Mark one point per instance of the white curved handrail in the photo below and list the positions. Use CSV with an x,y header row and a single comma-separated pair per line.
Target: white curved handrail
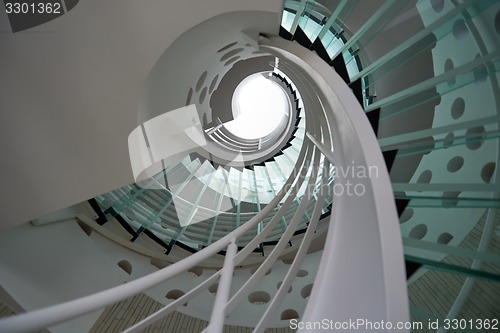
x,y
363,256
295,266
55,314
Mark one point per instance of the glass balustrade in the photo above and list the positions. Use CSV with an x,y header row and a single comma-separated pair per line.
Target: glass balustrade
x,y
449,227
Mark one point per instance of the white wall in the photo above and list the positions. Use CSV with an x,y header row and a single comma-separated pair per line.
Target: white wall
x,y
53,263
69,96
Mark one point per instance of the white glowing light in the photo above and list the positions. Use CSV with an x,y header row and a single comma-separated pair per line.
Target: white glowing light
x,y
259,106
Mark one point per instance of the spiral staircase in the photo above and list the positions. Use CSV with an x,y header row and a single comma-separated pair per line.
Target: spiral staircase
x,y
406,89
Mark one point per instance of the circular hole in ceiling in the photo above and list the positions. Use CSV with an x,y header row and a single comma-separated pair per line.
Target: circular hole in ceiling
x,y
406,216
448,66
228,46
289,314
306,291
201,80
196,271
203,94
487,171
230,54
445,238
126,266
175,294
213,84
448,140
460,30
189,96
230,61
259,105
437,5
458,108
259,297
474,137
425,145
455,164
425,177
418,232
302,273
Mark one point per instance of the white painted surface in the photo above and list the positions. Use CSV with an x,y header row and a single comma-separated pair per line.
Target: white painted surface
x,y
362,266
70,92
53,263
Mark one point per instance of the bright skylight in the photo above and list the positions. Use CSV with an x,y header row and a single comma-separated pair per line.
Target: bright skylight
x,y
259,105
